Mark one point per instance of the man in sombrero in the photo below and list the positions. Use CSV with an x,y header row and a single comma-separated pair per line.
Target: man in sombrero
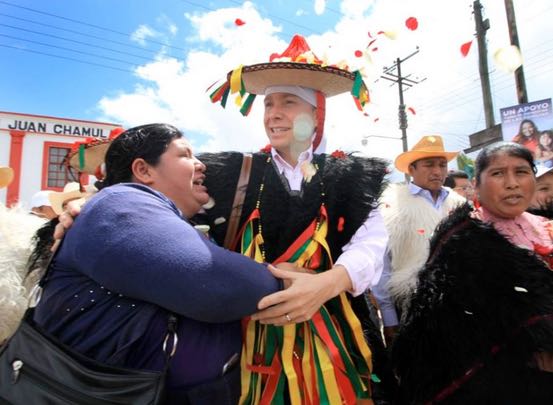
x,y
411,213
311,211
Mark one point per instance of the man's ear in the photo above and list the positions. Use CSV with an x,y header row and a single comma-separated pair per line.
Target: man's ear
x,y
410,169
142,171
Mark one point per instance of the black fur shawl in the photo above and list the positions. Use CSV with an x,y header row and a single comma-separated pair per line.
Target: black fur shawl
x,y
352,186
473,309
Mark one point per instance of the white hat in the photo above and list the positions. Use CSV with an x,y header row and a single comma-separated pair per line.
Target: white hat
x,y
541,170
40,198
71,191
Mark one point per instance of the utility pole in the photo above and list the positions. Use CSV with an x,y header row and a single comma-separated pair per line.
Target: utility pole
x,y
401,81
481,28
522,95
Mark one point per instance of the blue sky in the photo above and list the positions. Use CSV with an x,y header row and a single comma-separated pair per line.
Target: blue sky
x,y
168,52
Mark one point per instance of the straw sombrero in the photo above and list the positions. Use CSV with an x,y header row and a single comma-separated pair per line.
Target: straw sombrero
x,y
296,66
427,147
87,156
6,176
71,191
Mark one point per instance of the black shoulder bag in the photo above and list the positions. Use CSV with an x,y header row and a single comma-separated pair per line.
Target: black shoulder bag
x,y
36,368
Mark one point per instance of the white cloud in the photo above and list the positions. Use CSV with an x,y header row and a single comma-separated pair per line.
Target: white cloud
x,y
142,33
448,102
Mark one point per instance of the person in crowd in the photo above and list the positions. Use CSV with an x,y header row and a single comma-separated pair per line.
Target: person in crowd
x,y
17,228
479,327
132,257
311,209
528,136
41,206
544,151
459,182
411,212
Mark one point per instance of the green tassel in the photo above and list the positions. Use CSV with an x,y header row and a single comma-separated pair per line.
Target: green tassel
x,y
374,378
357,83
225,97
81,157
246,106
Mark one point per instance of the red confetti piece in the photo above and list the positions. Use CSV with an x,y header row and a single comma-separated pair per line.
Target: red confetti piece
x,y
374,49
370,43
465,48
365,114
369,33
239,22
376,119
411,110
340,226
420,231
358,53
412,23
380,33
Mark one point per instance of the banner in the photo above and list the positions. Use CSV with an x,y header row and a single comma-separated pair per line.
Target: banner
x,y
531,125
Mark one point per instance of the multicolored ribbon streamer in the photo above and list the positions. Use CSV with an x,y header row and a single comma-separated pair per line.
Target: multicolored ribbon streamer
x,y
323,361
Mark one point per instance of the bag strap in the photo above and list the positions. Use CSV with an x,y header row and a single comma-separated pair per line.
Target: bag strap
x,y
239,197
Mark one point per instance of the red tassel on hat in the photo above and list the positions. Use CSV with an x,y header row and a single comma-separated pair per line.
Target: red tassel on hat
x,y
321,112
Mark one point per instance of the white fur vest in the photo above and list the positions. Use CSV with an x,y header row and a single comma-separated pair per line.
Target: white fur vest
x,y
17,228
410,221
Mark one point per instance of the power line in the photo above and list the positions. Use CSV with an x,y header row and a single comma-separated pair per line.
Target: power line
x,y
75,41
66,49
66,58
83,34
125,34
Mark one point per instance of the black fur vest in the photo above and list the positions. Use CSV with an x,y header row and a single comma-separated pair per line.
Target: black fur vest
x,y
351,187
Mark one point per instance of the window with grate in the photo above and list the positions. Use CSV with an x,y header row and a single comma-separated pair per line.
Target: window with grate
x,y
55,174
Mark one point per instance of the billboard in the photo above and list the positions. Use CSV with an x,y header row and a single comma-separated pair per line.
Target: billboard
x,y
531,125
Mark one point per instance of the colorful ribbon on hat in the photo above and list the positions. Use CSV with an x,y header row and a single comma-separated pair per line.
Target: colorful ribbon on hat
x,y
325,360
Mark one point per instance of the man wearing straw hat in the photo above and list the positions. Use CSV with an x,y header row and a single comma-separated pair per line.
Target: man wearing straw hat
x,y
411,212
299,209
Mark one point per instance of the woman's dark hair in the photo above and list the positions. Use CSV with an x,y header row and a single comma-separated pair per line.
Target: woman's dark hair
x,y
489,153
148,142
519,137
548,133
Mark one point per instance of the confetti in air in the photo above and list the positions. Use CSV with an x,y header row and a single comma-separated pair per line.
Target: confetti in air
x,y
412,23
465,48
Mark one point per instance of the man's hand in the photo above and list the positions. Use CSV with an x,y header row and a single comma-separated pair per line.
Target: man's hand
x,y
305,295
544,361
66,218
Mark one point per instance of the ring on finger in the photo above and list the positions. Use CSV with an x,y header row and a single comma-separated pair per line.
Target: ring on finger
x,y
288,317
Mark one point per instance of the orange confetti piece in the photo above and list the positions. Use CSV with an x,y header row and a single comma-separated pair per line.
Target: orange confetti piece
x,y
239,22
465,48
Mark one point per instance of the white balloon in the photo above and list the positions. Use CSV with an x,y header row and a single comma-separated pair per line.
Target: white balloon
x,y
508,58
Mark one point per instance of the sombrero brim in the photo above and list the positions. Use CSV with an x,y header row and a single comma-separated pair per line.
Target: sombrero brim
x,y
6,176
406,158
58,199
327,79
94,155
